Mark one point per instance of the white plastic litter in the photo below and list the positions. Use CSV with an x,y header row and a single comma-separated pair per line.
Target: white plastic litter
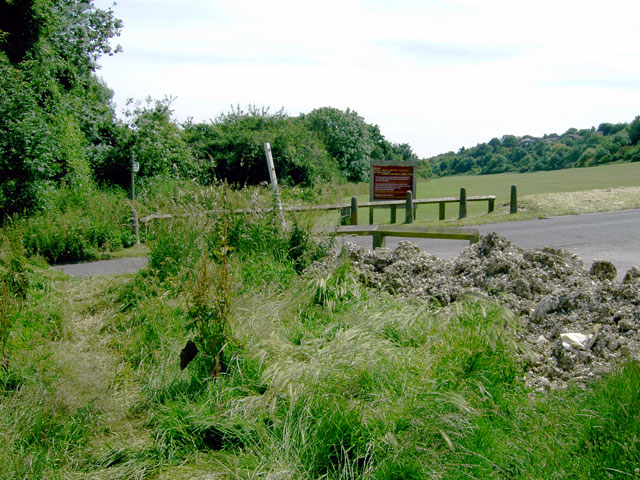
x,y
574,340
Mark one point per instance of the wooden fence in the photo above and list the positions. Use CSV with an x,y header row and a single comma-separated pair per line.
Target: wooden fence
x,y
349,211
380,232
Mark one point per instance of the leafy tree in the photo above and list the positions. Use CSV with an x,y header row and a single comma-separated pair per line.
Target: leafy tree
x,y
48,53
232,148
510,141
611,128
156,141
634,131
347,139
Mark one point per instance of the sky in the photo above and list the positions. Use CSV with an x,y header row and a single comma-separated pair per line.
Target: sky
x,y
436,74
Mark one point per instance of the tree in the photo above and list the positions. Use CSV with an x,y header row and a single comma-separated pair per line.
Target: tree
x,y
232,148
156,140
48,53
634,131
347,139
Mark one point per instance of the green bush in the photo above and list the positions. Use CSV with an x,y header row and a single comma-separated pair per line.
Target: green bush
x,y
232,149
79,225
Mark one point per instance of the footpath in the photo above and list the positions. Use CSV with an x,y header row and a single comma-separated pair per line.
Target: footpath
x,y
104,267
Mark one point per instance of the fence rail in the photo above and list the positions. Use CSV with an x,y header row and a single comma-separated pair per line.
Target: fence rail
x,y
380,232
349,211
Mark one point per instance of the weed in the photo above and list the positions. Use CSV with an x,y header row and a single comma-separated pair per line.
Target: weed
x,y
209,299
14,285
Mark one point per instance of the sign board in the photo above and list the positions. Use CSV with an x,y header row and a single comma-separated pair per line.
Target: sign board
x,y
135,166
392,180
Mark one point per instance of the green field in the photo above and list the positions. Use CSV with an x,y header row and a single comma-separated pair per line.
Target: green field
x,y
528,184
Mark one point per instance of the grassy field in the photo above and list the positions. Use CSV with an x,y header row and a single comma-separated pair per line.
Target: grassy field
x,y
532,188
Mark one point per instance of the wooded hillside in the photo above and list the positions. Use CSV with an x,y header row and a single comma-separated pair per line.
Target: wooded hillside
x,y
574,148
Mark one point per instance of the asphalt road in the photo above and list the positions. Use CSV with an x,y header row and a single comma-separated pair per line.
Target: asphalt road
x,y
612,236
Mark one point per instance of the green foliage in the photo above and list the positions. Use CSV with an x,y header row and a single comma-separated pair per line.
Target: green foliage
x,y
575,148
634,131
28,147
14,284
231,148
79,225
210,294
157,143
48,51
352,142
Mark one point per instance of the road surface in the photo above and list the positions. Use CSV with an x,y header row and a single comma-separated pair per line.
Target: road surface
x,y
612,236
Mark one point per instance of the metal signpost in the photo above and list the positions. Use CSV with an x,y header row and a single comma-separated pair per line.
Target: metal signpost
x,y
135,166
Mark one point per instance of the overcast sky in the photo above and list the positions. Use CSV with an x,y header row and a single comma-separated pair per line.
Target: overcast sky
x,y
436,74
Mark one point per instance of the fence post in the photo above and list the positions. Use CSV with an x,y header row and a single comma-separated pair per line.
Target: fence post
x,y
513,208
463,203
378,240
491,205
344,213
393,214
354,211
274,182
441,210
408,218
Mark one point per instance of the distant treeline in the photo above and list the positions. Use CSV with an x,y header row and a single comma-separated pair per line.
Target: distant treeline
x,y
575,148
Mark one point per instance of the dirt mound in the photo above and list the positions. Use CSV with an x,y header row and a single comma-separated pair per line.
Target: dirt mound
x,y
577,322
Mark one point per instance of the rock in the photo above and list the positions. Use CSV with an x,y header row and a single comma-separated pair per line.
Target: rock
x,y
625,324
632,275
603,270
545,306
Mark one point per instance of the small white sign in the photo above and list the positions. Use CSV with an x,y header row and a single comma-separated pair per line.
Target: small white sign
x,y
136,167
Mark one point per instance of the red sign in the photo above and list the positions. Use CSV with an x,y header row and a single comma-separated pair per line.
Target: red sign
x,y
391,182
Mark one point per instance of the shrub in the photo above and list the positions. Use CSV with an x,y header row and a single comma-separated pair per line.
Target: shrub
x,y
209,298
79,225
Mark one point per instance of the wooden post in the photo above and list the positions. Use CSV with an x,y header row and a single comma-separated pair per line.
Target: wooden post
x,y
354,211
370,215
441,210
491,206
344,213
513,206
463,203
274,182
378,240
393,214
408,218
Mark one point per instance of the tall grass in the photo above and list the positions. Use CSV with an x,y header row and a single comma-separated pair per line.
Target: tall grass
x,y
80,225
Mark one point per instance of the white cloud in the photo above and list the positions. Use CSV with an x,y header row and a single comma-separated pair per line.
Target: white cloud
x,y
435,74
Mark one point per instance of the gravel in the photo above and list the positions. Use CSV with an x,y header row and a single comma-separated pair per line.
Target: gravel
x,y
576,322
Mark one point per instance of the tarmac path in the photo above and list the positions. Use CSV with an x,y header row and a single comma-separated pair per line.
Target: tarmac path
x,y
612,236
